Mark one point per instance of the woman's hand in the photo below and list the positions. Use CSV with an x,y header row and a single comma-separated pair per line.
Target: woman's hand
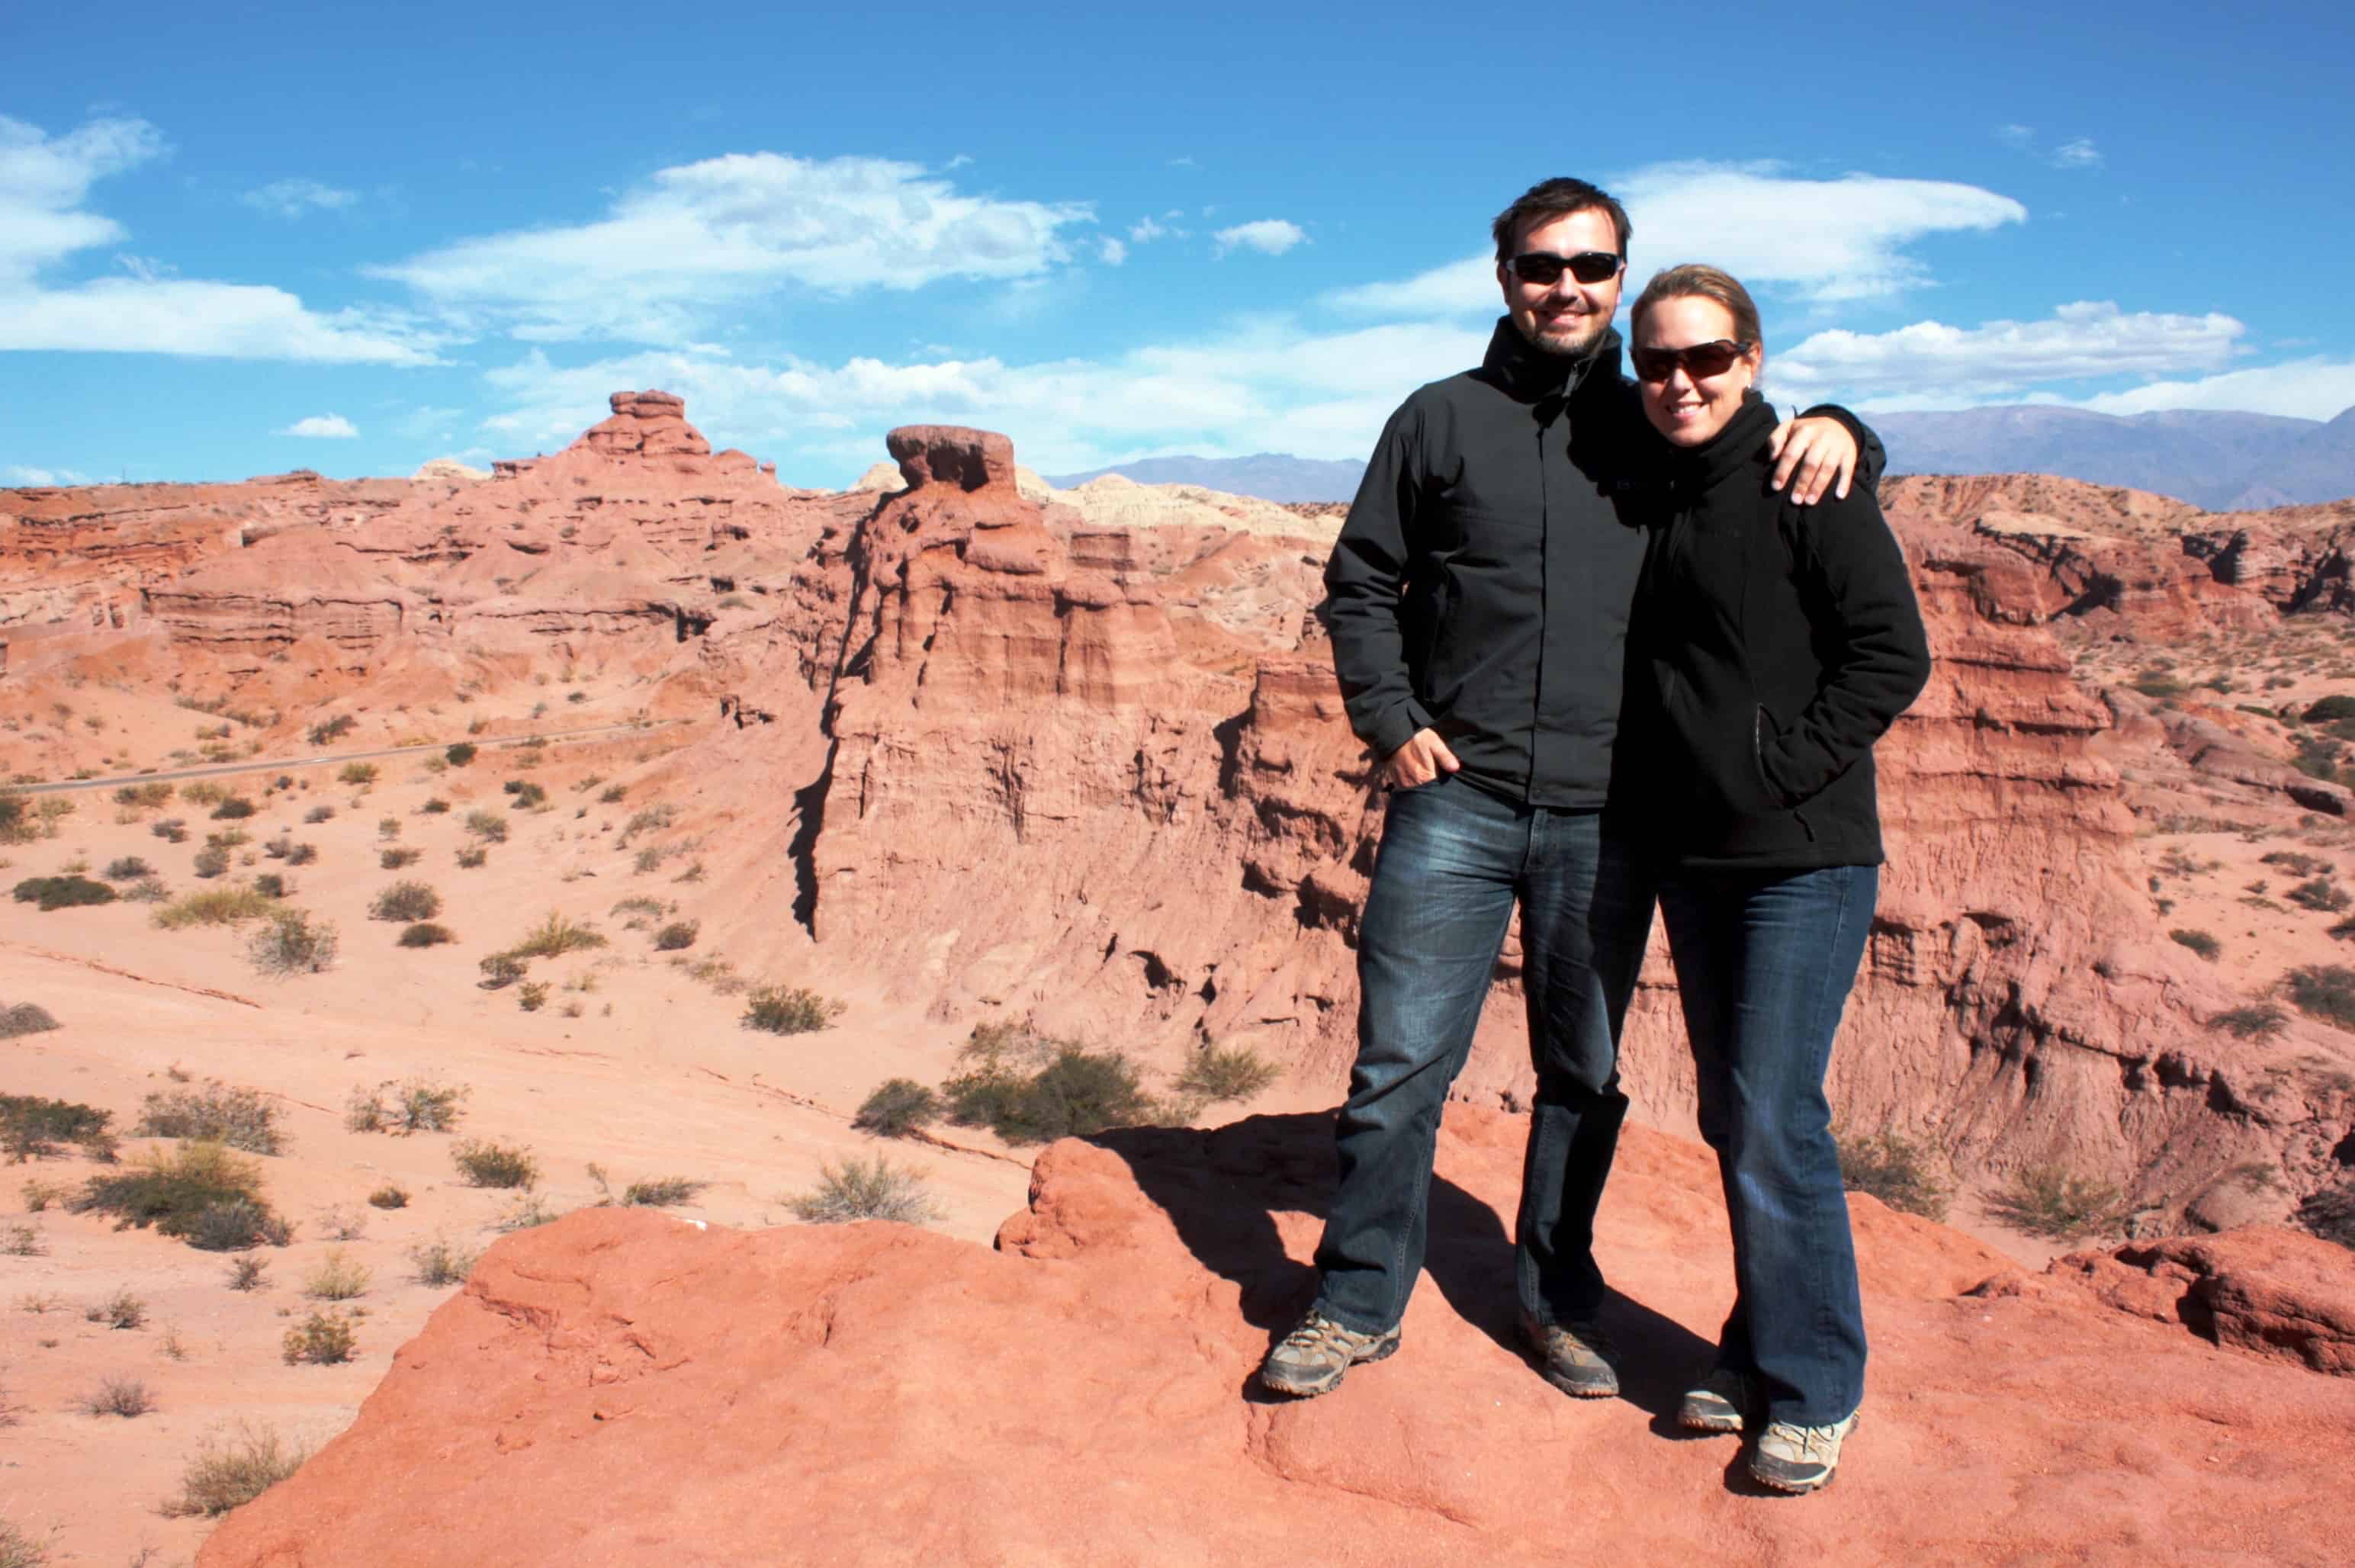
x,y
1819,450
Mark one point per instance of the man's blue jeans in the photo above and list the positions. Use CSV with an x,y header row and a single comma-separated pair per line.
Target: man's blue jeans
x,y
1453,862
1764,967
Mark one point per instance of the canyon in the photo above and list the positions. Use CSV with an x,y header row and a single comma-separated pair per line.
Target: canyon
x,y
978,750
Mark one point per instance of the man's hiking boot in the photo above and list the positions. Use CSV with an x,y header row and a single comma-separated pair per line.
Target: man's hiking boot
x,y
1722,1402
1312,1358
1795,1459
1576,1358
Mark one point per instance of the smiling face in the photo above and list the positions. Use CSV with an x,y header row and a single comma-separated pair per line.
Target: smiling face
x,y
1565,317
1686,410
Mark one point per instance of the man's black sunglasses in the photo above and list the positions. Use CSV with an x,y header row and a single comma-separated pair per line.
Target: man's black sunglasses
x,y
1544,267
1700,361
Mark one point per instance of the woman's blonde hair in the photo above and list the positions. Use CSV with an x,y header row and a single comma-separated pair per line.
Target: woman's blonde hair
x,y
1693,280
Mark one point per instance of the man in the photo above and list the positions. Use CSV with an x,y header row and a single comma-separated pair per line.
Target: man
x,y
1478,604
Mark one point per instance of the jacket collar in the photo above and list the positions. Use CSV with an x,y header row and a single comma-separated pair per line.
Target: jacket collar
x,y
1741,442
1531,375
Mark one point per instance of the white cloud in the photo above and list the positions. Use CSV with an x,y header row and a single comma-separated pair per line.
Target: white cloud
x,y
293,198
698,237
1931,360
1181,163
330,427
2018,137
1270,236
44,182
2313,388
1821,242
2080,154
17,474
1112,250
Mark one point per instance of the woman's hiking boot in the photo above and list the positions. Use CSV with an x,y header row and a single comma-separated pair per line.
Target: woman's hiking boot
x,y
1722,1402
1794,1458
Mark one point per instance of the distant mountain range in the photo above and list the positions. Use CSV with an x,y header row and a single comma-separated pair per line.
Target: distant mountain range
x,y
2223,461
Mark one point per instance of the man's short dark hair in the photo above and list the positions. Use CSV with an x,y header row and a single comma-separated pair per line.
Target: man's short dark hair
x,y
1549,199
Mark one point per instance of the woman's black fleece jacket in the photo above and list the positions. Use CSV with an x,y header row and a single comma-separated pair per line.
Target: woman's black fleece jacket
x,y
1771,646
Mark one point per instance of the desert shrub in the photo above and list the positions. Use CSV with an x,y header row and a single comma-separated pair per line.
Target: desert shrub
x,y
418,1105
19,821
147,890
436,806
557,936
279,845
18,1550
613,795
23,1241
171,829
472,857
234,1226
678,934
292,943
357,774
2330,710
524,1213
488,826
170,1190
527,794
532,996
125,1397
225,1474
340,1223
2326,991
459,755
271,885
121,1310
32,1125
323,1339
897,1107
425,933
2321,893
2159,684
865,1189
127,868
245,1273
2295,863
394,859
147,796
228,838
1077,1092
1895,1170
781,1010
236,809
487,1164
301,854
1228,1073
2330,1214
661,1192
392,1195
439,1263
211,861
24,1019
320,813
216,906
2049,1200
62,892
331,729
204,792
406,901
40,1194
503,969
642,910
337,1278
2199,941
241,1118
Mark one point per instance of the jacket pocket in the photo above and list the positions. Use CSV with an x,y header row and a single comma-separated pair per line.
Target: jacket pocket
x,y
1764,729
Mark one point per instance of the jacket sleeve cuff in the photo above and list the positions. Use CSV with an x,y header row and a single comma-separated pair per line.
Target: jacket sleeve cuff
x,y
1397,727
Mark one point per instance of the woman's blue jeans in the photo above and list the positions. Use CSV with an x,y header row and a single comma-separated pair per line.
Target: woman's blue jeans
x,y
1453,862
1764,965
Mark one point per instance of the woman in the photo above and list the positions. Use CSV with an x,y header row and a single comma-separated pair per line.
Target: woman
x,y
1773,645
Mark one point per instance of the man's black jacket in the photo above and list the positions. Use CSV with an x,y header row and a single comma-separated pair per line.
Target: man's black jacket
x,y
1481,586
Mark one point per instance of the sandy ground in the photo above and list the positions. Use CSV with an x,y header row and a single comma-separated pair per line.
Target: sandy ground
x,y
631,1064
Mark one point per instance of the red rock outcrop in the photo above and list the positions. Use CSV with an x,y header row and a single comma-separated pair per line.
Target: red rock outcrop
x,y
874,1393
2263,1289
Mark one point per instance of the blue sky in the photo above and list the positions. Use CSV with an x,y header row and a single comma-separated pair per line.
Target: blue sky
x,y
240,241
